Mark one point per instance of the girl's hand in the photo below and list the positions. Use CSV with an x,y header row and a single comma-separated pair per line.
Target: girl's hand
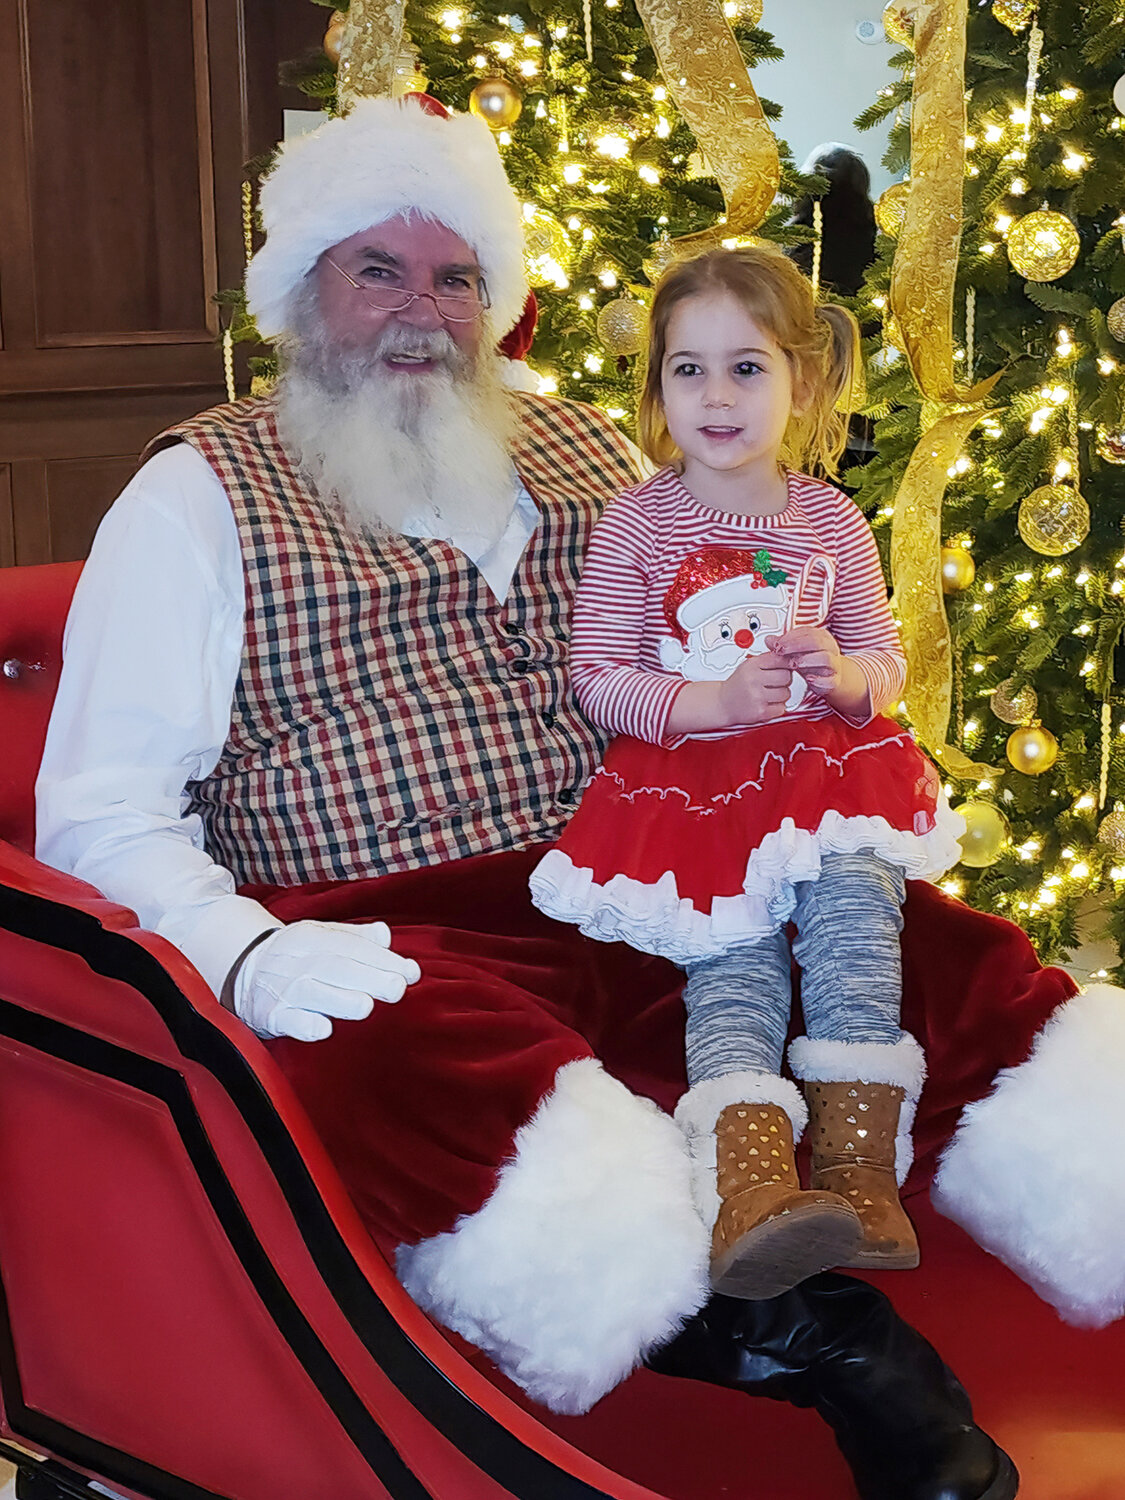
x,y
814,654
756,690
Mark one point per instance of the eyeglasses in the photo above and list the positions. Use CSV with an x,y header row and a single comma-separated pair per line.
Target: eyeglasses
x,y
454,307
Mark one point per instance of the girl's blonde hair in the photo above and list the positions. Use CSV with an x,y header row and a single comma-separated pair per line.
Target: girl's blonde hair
x,y
820,341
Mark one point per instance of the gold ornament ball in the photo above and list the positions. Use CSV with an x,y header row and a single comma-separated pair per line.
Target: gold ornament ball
x,y
986,834
497,102
1111,833
1115,320
1032,750
1054,519
659,258
408,75
957,569
334,36
890,208
898,23
1014,705
623,326
1111,444
1014,14
546,249
1042,246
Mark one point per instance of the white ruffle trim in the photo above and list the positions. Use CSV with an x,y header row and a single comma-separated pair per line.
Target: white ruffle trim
x,y
657,919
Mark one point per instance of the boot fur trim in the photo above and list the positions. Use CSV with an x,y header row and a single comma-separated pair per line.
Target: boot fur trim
x,y
901,1064
588,1254
700,1108
1034,1173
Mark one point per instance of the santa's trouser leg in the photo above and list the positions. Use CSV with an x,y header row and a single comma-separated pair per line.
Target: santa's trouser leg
x,y
901,1417
542,1209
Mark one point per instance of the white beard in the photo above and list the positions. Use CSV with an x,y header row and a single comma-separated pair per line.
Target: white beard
x,y
421,454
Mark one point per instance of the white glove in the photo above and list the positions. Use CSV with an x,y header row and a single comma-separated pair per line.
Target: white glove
x,y
305,973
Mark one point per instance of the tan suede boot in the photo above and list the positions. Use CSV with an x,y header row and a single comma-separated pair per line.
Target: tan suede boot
x,y
769,1235
852,1130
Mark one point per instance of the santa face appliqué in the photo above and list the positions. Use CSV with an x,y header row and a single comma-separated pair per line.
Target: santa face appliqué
x,y
726,602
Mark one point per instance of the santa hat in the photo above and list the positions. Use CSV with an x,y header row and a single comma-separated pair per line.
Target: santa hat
x,y
517,342
387,157
721,578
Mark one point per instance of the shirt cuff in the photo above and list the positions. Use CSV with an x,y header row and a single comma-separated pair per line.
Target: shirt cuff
x,y
880,689
213,936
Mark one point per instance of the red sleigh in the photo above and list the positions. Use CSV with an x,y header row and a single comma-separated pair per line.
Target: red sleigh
x,y
192,1309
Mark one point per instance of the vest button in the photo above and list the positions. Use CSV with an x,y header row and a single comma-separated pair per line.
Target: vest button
x,y
548,720
520,667
566,797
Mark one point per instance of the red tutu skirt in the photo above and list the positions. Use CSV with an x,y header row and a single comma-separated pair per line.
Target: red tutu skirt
x,y
688,852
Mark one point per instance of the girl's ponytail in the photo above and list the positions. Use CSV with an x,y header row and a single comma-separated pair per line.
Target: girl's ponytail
x,y
832,395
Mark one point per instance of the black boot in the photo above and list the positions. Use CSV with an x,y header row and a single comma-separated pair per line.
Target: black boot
x,y
901,1417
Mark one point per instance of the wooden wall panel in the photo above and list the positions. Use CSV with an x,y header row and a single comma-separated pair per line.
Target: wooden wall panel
x,y
79,492
7,535
70,460
124,241
124,126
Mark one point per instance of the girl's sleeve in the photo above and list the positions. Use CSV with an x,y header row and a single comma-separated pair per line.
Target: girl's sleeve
x,y
860,614
613,690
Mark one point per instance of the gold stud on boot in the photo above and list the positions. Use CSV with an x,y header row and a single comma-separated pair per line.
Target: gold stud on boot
x,y
852,1128
769,1235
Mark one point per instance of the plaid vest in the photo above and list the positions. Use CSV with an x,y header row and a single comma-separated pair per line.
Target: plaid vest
x,y
389,711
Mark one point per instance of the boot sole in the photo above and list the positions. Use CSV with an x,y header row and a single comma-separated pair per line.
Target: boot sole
x,y
871,1260
785,1251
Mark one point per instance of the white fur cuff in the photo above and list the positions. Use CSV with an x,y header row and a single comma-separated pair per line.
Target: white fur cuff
x,y
1034,1171
588,1254
899,1064
702,1105
700,1108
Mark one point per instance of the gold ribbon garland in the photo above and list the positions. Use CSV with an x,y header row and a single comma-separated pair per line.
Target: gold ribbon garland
x,y
921,300
925,265
369,50
918,601
706,73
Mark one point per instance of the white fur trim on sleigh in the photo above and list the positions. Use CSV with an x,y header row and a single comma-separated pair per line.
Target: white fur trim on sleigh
x,y
901,1064
657,919
700,1108
1035,1171
589,1253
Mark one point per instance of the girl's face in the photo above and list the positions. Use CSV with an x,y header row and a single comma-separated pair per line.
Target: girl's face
x,y
727,388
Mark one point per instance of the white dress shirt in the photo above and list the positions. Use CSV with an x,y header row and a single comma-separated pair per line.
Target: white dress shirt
x,y
151,658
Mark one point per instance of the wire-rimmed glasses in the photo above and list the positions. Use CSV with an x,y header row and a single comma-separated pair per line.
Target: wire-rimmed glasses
x,y
454,307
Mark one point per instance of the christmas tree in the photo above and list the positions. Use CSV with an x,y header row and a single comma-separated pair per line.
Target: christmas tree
x,y
609,173
1036,497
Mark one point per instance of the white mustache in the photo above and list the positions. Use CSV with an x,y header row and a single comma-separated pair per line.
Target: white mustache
x,y
436,344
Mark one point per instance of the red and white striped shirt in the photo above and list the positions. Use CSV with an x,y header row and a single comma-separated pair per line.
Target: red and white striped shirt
x,y
632,561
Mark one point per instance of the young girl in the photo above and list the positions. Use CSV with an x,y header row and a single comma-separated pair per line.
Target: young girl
x,y
732,632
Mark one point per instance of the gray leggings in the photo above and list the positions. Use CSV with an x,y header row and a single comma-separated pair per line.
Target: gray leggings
x,y
847,945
